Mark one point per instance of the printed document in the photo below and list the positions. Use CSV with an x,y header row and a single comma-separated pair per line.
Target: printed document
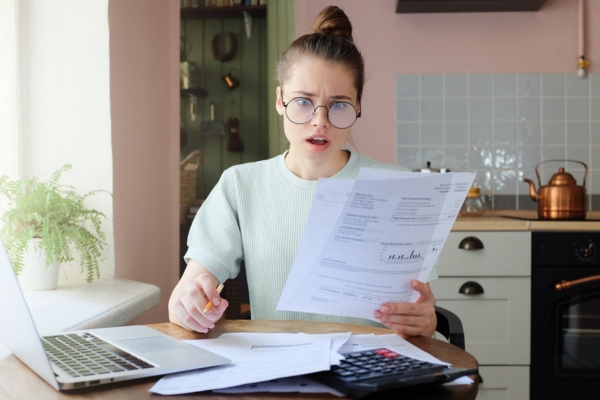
x,y
256,357
366,239
278,362
354,343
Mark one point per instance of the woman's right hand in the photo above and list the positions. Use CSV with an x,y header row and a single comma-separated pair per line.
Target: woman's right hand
x,y
195,289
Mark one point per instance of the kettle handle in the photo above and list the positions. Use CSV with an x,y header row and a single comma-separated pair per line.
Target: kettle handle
x,y
546,161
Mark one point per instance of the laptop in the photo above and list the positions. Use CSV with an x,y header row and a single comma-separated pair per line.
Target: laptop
x,y
101,356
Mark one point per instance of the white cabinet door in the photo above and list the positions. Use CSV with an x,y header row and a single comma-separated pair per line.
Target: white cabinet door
x,y
503,254
504,383
496,323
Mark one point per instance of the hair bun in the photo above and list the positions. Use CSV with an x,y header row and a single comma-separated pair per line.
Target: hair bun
x,y
333,21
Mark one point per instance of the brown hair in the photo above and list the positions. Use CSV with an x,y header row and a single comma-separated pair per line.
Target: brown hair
x,y
330,41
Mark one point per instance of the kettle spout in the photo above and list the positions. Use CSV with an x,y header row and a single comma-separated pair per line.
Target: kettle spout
x,y
532,192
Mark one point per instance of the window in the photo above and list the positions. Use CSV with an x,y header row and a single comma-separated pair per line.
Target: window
x,y
9,90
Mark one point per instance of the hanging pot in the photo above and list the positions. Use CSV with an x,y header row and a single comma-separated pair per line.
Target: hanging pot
x,y
36,275
235,142
562,198
231,81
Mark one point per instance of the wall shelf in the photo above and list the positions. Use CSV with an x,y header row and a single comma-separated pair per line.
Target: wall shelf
x,y
439,6
223,12
198,92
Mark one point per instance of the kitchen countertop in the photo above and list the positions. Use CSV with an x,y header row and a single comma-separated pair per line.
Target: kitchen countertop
x,y
509,220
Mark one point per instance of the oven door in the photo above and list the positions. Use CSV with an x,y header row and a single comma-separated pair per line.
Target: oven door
x,y
565,346
577,331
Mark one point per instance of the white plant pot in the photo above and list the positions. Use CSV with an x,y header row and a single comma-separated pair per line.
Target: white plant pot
x,y
35,275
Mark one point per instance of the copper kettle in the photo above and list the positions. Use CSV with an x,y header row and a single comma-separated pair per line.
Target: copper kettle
x,y
562,198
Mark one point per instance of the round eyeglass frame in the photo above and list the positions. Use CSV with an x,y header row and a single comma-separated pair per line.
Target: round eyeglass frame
x,y
285,105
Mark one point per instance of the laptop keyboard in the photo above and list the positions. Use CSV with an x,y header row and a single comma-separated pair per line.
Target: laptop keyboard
x,y
88,355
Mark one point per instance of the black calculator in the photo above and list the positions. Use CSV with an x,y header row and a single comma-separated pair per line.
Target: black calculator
x,y
366,372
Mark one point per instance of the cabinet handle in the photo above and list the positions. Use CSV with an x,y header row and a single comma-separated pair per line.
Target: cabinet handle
x,y
471,288
470,243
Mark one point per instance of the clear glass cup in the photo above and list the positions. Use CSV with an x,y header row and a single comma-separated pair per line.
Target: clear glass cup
x,y
473,205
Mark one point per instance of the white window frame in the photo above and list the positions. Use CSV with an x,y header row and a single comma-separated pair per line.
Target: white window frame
x,y
10,110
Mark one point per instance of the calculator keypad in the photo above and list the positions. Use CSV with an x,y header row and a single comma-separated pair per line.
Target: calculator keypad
x,y
379,363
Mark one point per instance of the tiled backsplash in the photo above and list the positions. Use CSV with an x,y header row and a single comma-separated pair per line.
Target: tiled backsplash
x,y
501,126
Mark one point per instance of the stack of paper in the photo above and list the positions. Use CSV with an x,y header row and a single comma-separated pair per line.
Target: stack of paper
x,y
257,357
264,361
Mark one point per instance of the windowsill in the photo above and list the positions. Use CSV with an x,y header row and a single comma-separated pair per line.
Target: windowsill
x,y
99,304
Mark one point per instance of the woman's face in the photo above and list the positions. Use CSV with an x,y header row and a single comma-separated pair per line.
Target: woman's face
x,y
323,83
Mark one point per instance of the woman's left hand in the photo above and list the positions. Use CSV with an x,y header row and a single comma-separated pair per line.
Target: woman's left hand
x,y
410,319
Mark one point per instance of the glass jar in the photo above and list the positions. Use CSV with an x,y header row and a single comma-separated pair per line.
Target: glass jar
x,y
473,205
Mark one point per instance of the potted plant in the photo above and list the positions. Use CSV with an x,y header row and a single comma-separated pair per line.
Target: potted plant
x,y
52,218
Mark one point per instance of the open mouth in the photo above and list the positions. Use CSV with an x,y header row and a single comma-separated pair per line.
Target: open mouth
x,y
317,141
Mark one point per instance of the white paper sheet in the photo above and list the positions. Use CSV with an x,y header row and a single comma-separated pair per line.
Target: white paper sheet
x,y
276,362
337,341
366,239
256,357
392,342
354,343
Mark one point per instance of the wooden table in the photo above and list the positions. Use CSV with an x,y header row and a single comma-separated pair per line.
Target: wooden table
x,y
19,382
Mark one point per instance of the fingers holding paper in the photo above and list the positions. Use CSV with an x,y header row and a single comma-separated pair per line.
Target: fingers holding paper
x,y
410,319
188,302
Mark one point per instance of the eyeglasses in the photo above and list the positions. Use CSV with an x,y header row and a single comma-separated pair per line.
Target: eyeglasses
x,y
340,114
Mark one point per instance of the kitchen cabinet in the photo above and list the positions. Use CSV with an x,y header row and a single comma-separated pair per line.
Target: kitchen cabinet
x,y
490,290
503,383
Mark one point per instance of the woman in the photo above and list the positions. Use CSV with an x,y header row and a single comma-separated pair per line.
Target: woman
x,y
257,211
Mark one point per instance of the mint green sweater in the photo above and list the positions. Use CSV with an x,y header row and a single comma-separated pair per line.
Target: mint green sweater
x,y
257,213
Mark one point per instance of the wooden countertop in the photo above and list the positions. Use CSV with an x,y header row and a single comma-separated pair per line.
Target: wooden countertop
x,y
508,220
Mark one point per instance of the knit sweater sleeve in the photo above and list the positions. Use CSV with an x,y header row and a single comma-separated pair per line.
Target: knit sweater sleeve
x,y
214,239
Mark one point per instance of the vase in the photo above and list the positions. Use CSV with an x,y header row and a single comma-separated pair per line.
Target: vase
x,y
36,275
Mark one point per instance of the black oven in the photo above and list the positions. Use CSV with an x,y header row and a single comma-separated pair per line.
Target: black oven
x,y
565,315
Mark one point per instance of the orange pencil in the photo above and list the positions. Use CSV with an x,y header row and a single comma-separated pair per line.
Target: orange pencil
x,y
210,303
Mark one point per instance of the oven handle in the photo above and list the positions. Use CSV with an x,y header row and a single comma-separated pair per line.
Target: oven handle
x,y
564,284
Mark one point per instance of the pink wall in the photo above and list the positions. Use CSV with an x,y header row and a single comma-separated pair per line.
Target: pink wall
x,y
144,51
144,55
501,42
